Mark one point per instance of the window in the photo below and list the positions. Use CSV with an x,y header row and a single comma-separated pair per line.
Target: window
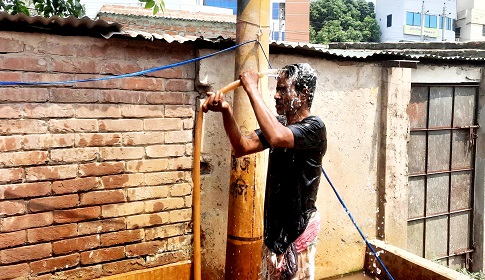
x,y
413,19
430,21
389,20
229,4
277,11
457,32
449,23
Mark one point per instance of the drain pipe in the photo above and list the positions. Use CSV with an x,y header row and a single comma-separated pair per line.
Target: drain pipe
x,y
246,189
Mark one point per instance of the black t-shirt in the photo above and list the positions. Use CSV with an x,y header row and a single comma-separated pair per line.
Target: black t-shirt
x,y
292,183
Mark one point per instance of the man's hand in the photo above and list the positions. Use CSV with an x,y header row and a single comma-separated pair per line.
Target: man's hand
x,y
249,81
215,102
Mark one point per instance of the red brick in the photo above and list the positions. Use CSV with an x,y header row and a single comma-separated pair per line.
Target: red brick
x,y
46,77
143,138
116,67
179,111
161,178
26,221
76,215
48,111
53,264
77,244
147,220
105,84
121,125
9,45
124,180
102,255
51,233
141,83
174,98
173,137
180,190
145,248
123,96
179,85
70,65
24,190
23,94
123,266
14,271
9,208
10,111
165,231
22,62
71,155
88,272
53,202
178,242
149,165
188,124
22,126
67,95
25,253
163,124
102,197
158,205
167,258
99,226
142,111
12,239
10,143
73,125
160,151
75,185
55,172
172,73
101,168
90,111
98,139
183,215
10,175
23,158
122,209
9,76
181,163
121,237
120,153
47,141
142,193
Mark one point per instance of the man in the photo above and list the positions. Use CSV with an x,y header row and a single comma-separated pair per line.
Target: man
x,y
297,142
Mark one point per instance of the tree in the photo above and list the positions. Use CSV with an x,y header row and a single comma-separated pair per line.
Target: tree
x,y
156,5
46,8
343,21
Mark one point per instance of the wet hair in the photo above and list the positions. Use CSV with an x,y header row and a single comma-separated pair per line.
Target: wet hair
x,y
302,75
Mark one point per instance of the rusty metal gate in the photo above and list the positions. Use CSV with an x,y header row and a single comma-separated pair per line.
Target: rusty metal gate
x,y
441,152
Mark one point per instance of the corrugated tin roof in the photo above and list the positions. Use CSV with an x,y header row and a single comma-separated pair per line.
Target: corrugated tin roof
x,y
65,26
87,27
134,11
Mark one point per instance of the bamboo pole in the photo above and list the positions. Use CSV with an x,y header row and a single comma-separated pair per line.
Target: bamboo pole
x,y
246,189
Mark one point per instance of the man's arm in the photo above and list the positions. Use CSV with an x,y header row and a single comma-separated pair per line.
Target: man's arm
x,y
277,134
242,145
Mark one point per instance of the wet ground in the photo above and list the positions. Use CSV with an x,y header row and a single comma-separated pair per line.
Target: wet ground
x,y
354,276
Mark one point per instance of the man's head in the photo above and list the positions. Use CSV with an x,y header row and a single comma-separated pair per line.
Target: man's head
x,y
295,88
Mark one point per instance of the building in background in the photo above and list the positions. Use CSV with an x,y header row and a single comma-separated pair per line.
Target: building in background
x,y
470,24
290,19
416,20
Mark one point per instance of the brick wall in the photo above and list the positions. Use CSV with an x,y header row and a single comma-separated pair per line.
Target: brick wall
x,y
95,178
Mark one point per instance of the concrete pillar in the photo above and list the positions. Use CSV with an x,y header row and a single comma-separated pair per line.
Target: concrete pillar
x,y
393,171
478,255
246,189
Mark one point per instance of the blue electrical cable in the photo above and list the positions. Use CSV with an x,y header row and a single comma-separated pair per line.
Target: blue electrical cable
x,y
139,73
356,226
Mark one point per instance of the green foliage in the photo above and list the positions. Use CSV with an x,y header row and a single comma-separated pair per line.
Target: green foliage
x,y
474,275
343,21
46,8
156,5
